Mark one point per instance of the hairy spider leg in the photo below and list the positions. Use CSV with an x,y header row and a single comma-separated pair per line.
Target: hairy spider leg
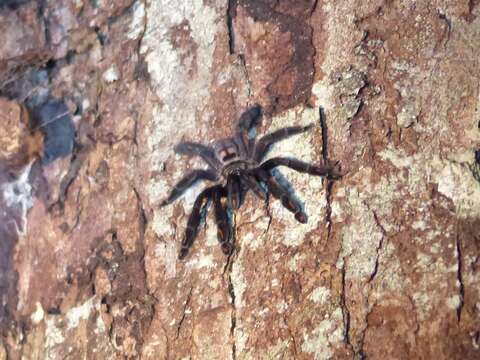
x,y
249,118
194,221
224,226
280,192
281,134
330,169
196,149
254,184
187,181
234,191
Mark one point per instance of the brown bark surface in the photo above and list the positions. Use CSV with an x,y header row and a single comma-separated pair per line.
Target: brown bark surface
x,y
387,266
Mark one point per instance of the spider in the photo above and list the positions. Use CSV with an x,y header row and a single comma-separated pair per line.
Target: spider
x,y
235,165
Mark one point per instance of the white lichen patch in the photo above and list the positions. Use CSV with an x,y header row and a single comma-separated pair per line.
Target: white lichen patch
x,y
419,225
53,333
256,240
338,215
137,25
323,93
211,238
201,262
161,224
100,326
82,312
323,339
455,180
239,283
292,263
166,254
241,338
157,189
407,116
320,295
18,194
182,92
111,74
38,314
361,239
423,305
454,302
278,350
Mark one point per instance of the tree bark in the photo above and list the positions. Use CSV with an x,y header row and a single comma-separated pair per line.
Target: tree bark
x,y
387,266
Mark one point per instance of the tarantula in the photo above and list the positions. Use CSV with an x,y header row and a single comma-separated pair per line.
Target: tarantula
x,y
235,164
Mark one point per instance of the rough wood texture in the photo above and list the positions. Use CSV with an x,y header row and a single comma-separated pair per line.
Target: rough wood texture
x,y
388,264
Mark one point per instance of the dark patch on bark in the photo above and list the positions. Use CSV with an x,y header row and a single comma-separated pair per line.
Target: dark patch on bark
x,y
231,13
8,276
127,278
291,18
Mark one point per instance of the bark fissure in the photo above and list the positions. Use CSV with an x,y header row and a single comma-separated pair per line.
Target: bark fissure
x,y
184,312
328,191
461,287
233,317
231,34
76,163
380,243
231,289
343,304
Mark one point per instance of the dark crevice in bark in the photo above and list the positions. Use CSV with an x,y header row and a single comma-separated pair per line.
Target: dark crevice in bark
x,y
144,30
328,192
227,270
76,163
448,22
343,304
314,7
461,289
242,60
142,215
233,324
231,12
379,246
269,215
184,312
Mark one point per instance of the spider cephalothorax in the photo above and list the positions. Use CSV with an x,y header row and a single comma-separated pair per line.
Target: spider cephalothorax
x,y
235,165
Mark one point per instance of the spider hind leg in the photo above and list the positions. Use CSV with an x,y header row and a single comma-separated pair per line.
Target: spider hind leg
x,y
224,226
194,221
281,192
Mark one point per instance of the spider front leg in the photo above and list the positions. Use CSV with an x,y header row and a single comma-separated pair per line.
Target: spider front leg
x,y
268,140
280,192
224,226
249,119
206,153
194,221
187,181
331,169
